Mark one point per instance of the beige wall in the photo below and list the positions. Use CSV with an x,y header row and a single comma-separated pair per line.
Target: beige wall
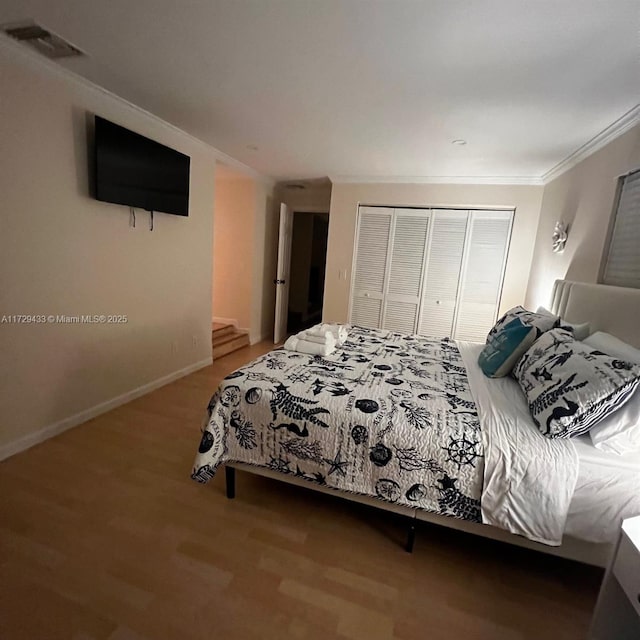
x,y
583,198
61,252
315,197
342,224
233,242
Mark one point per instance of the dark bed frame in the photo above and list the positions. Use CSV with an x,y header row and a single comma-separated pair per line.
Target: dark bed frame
x,y
572,548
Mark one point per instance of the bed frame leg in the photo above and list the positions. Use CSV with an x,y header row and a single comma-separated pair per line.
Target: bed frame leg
x,y
230,478
411,537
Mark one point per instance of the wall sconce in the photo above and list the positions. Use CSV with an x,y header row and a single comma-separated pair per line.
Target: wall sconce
x,y
559,238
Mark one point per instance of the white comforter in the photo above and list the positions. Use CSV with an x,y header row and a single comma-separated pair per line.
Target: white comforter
x,y
529,480
606,493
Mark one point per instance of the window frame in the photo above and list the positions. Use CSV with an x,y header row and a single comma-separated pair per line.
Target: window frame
x,y
620,180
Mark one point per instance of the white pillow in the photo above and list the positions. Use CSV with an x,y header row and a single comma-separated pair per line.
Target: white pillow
x,y
580,330
619,432
613,346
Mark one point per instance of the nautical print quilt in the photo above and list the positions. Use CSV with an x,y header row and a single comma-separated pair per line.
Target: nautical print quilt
x,y
386,415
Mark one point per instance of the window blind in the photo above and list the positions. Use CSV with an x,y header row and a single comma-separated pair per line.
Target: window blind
x,y
622,267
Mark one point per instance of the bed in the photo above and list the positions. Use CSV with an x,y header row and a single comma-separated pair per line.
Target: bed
x,y
410,424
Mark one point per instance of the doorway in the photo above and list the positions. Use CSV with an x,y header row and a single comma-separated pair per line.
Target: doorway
x,y
308,267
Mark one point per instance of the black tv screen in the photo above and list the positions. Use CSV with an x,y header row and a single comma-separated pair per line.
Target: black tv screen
x,y
138,172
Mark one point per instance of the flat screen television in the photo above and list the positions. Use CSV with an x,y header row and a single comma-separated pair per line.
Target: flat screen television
x,y
135,171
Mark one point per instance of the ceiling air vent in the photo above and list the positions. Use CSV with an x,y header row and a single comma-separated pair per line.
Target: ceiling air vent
x,y
42,40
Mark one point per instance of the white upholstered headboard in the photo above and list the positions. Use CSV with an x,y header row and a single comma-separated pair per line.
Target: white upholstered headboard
x,y
615,310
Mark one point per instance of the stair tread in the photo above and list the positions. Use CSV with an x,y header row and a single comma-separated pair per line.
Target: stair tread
x,y
218,330
217,340
226,344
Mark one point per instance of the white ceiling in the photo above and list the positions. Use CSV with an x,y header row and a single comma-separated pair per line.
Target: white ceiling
x,y
365,87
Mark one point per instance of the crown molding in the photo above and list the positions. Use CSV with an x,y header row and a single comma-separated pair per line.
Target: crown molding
x,y
37,60
476,180
613,131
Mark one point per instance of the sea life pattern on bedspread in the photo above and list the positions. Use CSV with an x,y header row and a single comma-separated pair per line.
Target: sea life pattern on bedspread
x,y
386,415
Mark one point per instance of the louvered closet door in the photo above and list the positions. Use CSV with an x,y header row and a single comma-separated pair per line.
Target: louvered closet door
x,y
409,240
370,267
448,229
482,274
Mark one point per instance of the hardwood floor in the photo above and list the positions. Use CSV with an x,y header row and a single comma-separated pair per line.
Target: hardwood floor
x,y
104,536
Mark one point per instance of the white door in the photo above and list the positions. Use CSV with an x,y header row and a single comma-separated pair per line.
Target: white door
x,y
370,266
444,262
282,277
483,273
409,238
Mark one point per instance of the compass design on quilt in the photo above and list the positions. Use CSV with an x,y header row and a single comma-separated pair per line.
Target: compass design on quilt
x,y
462,451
